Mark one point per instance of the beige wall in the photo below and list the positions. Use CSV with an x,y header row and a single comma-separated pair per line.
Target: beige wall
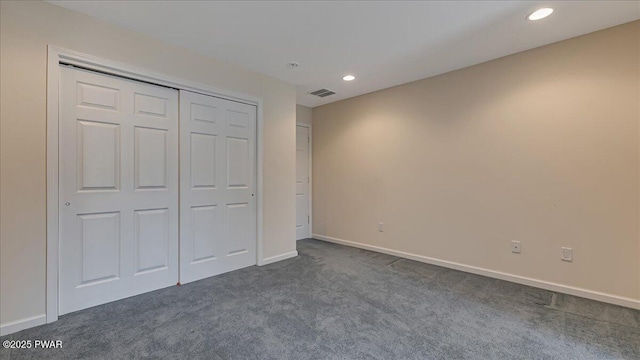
x,y
540,147
26,29
303,114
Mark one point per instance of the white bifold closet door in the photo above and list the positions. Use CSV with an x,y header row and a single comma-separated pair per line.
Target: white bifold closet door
x,y
118,188
302,183
217,186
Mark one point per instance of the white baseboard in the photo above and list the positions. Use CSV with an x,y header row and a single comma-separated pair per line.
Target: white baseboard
x,y
565,289
271,260
18,325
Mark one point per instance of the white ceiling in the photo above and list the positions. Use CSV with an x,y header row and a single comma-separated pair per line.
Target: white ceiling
x,y
383,43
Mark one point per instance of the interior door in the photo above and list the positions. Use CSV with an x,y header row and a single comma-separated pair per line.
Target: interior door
x,y
118,188
217,186
302,183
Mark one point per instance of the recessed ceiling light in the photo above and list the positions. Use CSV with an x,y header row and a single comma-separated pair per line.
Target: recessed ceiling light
x,y
540,14
348,77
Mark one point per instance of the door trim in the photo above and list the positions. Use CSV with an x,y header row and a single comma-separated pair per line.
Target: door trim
x,y
56,56
308,126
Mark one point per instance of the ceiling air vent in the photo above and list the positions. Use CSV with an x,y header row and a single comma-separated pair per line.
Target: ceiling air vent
x,y
322,92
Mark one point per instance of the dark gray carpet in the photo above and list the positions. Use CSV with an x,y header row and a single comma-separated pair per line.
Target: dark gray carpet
x,y
336,302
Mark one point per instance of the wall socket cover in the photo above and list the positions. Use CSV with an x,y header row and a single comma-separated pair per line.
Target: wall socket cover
x,y
567,254
381,227
516,247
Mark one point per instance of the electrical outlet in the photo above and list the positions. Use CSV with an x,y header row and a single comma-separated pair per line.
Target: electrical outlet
x,y
381,227
516,247
567,254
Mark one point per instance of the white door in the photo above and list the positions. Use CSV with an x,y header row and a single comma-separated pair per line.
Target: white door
x,y
118,188
217,186
302,183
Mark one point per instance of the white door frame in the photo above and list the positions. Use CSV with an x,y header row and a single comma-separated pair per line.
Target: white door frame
x,y
308,126
57,55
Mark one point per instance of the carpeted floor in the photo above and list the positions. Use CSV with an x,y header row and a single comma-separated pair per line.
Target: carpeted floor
x,y
336,302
